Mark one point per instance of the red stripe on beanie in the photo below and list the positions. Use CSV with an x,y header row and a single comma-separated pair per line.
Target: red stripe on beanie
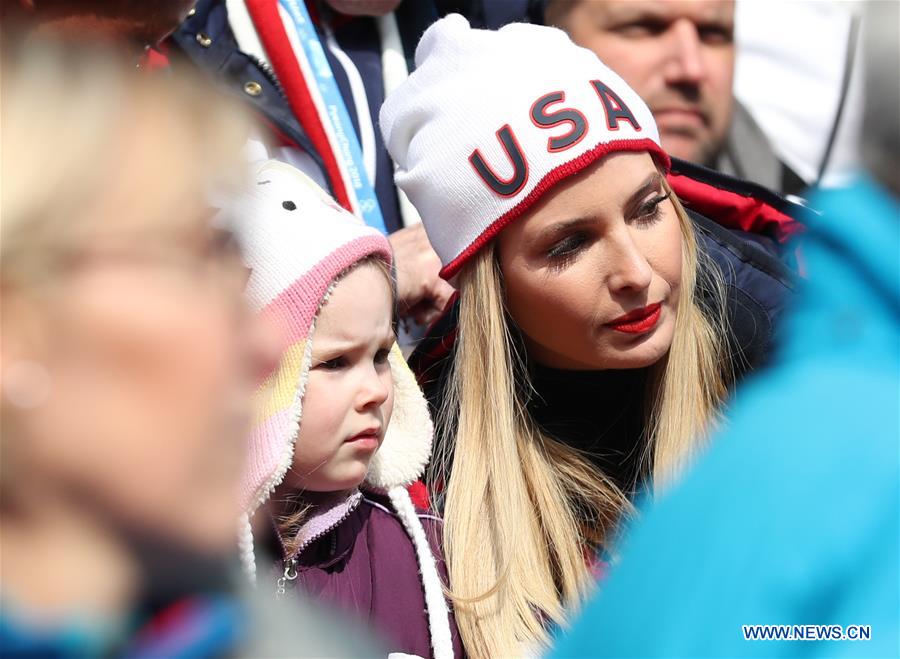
x,y
550,179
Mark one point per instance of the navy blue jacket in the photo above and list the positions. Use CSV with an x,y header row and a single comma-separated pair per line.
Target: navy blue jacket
x,y
205,41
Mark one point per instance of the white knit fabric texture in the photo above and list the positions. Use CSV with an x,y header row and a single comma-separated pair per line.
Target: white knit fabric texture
x,y
469,84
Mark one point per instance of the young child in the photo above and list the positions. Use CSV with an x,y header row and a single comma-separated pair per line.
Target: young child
x,y
343,427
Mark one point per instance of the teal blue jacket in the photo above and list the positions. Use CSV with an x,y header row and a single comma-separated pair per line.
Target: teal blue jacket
x,y
793,515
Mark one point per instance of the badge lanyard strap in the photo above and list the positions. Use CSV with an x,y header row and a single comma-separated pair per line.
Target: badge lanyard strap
x,y
337,120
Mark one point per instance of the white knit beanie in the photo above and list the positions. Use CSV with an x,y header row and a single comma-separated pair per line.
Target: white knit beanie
x,y
491,120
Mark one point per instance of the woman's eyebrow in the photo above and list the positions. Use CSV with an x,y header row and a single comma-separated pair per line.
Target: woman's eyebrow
x,y
559,228
650,184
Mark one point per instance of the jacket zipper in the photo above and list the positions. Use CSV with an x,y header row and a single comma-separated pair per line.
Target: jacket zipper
x,y
290,564
268,74
290,573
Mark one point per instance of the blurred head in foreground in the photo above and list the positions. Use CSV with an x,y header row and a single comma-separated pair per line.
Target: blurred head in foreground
x,y
127,357
131,24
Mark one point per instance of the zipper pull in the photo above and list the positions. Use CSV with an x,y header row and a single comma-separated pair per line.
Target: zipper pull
x,y
290,573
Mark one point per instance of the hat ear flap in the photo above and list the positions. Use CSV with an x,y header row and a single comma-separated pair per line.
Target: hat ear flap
x,y
406,448
273,439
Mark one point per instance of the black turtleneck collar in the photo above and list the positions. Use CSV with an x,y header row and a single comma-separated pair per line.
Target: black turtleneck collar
x,y
599,413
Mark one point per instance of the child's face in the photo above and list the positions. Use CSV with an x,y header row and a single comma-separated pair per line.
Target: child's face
x,y
350,393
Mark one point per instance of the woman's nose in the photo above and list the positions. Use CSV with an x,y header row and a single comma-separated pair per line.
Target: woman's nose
x,y
629,269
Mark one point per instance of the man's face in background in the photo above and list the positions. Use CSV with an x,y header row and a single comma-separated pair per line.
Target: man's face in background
x,y
677,54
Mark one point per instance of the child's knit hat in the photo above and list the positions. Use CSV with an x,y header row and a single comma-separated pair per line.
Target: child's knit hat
x,y
491,120
297,241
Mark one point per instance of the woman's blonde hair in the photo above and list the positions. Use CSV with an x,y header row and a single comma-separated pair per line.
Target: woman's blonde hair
x,y
87,137
523,512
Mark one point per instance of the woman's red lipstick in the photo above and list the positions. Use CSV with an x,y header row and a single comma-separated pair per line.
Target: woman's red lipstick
x,y
637,321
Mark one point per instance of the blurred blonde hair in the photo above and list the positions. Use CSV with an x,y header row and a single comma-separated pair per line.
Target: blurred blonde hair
x,y
523,512
86,137
85,140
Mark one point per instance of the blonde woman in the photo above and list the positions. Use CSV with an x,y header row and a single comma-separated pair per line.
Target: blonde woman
x,y
128,361
127,358
593,334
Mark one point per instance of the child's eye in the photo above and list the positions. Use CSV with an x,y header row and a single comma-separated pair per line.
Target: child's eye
x,y
649,211
332,364
382,355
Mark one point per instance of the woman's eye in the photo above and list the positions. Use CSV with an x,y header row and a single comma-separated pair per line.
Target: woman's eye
x,y
566,247
649,211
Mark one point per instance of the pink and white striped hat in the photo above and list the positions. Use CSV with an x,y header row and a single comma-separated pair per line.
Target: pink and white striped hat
x,y
297,241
